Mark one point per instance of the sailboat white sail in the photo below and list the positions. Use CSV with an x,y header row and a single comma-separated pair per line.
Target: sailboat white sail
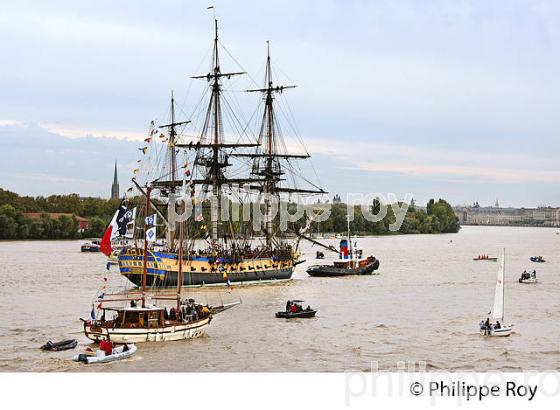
x,y
498,308
498,328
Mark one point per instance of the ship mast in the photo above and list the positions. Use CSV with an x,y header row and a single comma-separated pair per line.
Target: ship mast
x,y
172,131
271,170
216,166
211,149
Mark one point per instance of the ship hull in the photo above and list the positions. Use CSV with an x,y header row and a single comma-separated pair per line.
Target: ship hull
x,y
162,270
139,335
213,278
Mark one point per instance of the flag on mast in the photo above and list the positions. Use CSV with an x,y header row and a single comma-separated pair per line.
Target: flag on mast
x,y
130,221
117,227
151,234
112,231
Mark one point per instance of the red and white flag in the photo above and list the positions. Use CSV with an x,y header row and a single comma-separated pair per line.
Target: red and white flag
x,y
116,228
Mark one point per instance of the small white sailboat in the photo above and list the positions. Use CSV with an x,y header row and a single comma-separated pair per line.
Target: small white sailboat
x,y
497,329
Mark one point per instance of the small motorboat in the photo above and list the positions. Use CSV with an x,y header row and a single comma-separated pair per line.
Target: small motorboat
x,y
529,277
119,353
94,246
485,258
59,346
538,259
294,309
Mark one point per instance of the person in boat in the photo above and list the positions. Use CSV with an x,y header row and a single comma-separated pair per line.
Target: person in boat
x,y
534,273
498,325
481,324
308,308
172,314
487,323
133,303
102,345
125,348
108,348
293,308
288,306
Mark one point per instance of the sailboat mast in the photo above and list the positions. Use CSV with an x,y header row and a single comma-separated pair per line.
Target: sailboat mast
x,y
145,260
180,271
504,284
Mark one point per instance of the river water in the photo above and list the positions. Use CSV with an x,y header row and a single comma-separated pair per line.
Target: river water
x,y
423,307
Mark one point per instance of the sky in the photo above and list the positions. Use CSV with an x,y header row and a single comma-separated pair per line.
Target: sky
x,y
452,99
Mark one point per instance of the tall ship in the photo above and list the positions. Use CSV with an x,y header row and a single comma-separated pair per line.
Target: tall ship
x,y
214,170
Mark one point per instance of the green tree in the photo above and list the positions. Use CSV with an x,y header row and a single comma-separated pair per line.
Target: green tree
x,y
8,222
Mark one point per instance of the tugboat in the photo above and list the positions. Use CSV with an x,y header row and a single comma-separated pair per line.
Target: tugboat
x,y
295,309
352,262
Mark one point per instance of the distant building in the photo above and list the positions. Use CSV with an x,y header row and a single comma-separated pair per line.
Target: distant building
x,y
478,215
336,199
115,186
83,223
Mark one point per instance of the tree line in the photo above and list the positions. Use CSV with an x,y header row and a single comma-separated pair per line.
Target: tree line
x,y
437,217
15,225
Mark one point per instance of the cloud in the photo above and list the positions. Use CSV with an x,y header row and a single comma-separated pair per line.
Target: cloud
x,y
399,93
81,132
453,165
38,161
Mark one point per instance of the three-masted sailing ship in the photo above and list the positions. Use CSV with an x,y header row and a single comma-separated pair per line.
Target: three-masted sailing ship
x,y
217,252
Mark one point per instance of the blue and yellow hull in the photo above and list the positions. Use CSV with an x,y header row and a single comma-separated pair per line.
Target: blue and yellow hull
x,y
163,269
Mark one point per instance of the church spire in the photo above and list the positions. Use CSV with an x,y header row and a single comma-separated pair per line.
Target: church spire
x,y
115,186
